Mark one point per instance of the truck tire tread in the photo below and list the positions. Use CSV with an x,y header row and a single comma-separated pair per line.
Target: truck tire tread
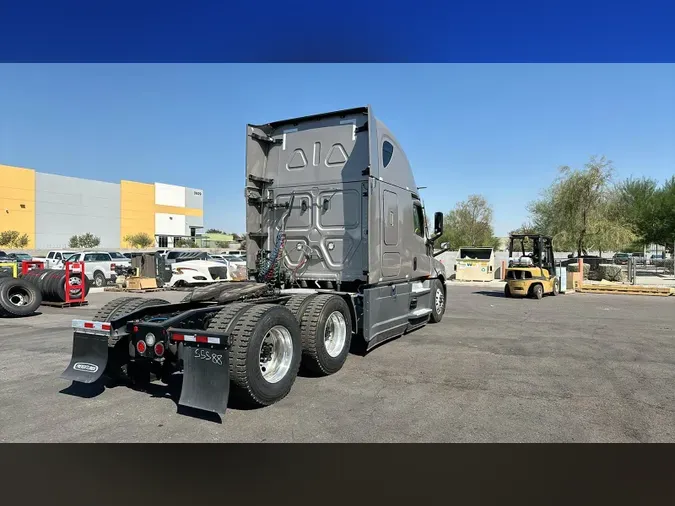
x,y
104,313
133,305
314,357
244,331
298,304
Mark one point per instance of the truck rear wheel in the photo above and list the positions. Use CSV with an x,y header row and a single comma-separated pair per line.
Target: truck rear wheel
x,y
99,279
264,355
326,334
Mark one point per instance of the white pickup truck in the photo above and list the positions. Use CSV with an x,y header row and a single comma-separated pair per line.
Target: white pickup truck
x,y
54,259
99,266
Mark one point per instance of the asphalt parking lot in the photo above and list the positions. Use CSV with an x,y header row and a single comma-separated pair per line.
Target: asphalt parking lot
x,y
574,368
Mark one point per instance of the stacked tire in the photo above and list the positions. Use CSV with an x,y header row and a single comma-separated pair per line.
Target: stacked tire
x,y
18,297
52,284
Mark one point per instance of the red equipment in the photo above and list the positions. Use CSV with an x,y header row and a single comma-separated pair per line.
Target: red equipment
x,y
75,268
27,265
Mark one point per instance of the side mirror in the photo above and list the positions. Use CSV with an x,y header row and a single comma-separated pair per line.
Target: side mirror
x,y
438,224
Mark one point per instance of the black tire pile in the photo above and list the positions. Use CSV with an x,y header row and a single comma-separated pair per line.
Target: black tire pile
x,y
52,284
18,297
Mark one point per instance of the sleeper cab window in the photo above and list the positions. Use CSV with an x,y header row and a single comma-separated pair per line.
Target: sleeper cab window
x,y
387,153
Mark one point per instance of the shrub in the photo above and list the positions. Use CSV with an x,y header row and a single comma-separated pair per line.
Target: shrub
x,y
610,272
140,240
185,243
668,264
84,241
13,239
574,267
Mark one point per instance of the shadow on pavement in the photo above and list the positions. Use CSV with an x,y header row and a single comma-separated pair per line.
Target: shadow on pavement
x,y
491,293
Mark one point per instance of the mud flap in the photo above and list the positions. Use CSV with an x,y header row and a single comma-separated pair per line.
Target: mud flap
x,y
206,377
89,358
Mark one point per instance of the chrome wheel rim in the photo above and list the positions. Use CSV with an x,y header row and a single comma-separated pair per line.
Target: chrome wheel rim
x,y
18,297
335,333
276,354
75,282
439,299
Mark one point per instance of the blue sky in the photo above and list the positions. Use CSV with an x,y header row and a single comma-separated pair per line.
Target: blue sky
x,y
496,130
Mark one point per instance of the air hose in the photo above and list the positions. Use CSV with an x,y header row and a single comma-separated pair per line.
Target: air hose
x,y
272,266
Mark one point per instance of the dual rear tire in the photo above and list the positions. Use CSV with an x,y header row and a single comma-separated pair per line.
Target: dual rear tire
x,y
270,343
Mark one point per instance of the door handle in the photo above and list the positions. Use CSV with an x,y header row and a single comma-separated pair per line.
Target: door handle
x,y
415,263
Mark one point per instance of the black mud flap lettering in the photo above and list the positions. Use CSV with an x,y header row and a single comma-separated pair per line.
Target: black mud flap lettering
x,y
89,358
206,378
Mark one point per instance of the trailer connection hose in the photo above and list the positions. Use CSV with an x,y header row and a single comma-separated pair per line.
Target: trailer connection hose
x,y
272,265
272,268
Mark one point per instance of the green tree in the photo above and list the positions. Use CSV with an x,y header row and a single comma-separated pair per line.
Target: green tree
x,y
581,209
84,241
525,228
13,239
214,231
637,202
662,230
185,243
469,224
140,240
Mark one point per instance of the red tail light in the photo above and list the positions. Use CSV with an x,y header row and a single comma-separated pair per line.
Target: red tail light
x,y
140,347
159,349
112,267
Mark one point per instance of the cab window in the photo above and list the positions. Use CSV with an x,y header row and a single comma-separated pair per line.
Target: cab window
x,y
418,219
387,153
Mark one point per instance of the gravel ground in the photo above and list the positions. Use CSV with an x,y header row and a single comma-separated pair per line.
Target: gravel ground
x,y
575,368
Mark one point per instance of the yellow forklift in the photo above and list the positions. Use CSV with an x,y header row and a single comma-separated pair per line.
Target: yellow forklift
x,y
532,273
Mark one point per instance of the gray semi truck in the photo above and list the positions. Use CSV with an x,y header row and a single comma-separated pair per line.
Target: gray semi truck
x,y
338,248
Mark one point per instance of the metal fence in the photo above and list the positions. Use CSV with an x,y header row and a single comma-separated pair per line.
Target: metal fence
x,y
652,270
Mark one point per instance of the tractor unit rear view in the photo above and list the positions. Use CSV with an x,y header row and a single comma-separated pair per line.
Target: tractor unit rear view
x,y
337,246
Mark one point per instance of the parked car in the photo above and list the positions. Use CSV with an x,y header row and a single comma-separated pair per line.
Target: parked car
x,y
197,272
99,266
621,258
592,260
639,258
116,255
19,258
185,255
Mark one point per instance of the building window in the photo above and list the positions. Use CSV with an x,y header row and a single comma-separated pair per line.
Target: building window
x,y
163,241
387,152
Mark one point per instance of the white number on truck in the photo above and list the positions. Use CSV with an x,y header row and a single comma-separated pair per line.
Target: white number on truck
x,y
209,356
